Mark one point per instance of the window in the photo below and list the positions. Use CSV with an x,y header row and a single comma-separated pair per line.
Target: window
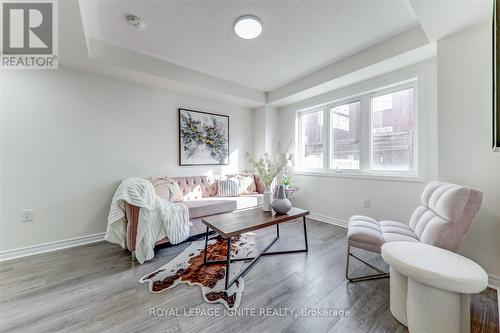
x,y
345,136
392,131
311,140
373,133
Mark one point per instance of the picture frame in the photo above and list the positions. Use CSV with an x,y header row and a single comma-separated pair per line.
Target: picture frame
x,y
496,76
203,138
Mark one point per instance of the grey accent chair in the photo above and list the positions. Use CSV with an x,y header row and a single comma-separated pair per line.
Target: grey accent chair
x,y
442,220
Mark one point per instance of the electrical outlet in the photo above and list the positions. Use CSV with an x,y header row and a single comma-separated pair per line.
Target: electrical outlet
x,y
27,215
366,203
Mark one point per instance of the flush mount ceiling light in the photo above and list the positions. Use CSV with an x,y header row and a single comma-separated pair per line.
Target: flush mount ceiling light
x,y
136,22
248,27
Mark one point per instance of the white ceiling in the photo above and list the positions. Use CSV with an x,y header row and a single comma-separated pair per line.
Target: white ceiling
x,y
299,37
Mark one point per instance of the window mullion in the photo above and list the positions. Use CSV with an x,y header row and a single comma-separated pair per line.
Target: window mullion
x,y
326,138
365,134
388,159
299,142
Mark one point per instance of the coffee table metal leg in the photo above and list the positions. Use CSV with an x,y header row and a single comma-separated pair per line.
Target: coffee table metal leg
x,y
253,260
278,230
228,261
206,247
229,282
305,232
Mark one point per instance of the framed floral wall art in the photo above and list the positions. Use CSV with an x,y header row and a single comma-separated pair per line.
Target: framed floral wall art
x,y
496,76
203,138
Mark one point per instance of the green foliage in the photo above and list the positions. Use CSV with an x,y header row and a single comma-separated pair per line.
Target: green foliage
x,y
266,169
287,181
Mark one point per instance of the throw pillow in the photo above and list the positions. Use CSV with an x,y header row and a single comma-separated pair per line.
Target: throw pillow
x,y
167,189
247,184
228,188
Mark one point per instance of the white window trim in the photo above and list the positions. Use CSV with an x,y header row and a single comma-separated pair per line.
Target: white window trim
x,y
329,110
365,172
298,135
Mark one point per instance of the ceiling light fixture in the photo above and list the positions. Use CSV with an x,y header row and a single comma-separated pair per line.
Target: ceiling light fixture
x,y
136,22
248,27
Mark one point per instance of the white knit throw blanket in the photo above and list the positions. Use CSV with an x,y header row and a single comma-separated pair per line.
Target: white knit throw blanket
x,y
158,218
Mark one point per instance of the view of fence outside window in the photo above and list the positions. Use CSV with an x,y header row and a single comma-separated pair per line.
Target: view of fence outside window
x,y
335,132
392,131
312,136
346,136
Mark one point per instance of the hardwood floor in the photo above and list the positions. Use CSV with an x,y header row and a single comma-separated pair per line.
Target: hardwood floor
x,y
484,312
94,288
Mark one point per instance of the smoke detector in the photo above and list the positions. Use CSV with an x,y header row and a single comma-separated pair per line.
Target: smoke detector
x,y
136,22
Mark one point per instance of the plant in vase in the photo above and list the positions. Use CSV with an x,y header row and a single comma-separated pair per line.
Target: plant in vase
x,y
287,182
267,171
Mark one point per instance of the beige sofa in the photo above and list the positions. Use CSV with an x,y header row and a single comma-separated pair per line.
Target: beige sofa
x,y
199,195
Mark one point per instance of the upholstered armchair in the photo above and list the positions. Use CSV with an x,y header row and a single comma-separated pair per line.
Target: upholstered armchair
x,y
442,220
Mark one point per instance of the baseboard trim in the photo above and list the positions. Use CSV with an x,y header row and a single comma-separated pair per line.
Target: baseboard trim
x,y
494,282
328,219
50,247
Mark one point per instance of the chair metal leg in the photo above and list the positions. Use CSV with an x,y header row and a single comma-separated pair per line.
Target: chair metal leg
x,y
381,274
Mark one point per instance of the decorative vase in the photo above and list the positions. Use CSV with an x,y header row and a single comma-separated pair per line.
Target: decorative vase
x,y
281,204
267,200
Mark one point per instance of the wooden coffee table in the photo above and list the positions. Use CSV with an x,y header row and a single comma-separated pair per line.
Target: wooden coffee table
x,y
236,223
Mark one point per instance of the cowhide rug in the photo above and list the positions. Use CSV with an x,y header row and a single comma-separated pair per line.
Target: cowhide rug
x,y
188,268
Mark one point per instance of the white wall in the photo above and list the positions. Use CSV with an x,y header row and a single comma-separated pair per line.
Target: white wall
x,y
69,137
465,116
339,198
456,103
266,134
259,138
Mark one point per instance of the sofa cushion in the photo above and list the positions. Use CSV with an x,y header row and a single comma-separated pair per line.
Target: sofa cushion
x,y
216,205
197,187
208,206
228,188
247,200
167,188
247,183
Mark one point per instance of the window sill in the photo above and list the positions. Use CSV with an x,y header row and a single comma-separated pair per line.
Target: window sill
x,y
371,176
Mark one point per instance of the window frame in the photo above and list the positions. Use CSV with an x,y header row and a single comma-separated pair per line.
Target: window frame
x,y
298,136
365,170
413,172
330,111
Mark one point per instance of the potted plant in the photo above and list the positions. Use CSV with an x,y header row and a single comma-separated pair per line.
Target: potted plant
x,y
287,182
267,171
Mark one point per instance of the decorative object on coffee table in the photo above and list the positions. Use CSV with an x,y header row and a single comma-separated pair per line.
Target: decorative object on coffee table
x,y
281,204
203,138
267,171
